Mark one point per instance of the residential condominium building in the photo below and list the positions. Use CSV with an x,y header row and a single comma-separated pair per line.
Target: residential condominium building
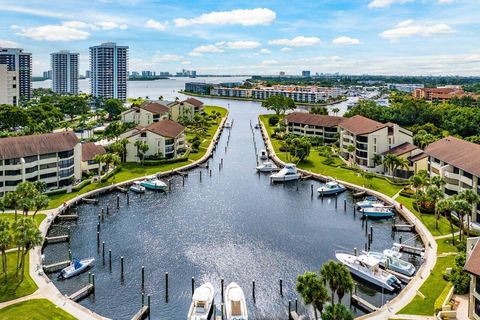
x,y
54,158
20,62
404,87
109,71
198,87
9,88
444,94
65,72
231,92
361,138
314,125
472,266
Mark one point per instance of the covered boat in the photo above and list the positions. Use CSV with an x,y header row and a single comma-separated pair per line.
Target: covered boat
x,y
201,307
369,201
378,212
263,154
393,263
331,187
235,305
153,183
288,173
76,267
267,166
137,187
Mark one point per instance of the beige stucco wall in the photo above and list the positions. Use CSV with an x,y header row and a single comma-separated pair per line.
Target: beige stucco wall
x,y
141,117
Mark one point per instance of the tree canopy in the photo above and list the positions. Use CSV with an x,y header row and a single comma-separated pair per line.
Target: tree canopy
x,y
279,104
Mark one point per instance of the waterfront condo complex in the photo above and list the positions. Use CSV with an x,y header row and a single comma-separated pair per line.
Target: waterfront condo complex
x,y
65,72
17,75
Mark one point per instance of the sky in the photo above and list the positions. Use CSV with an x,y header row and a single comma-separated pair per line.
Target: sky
x,y
389,37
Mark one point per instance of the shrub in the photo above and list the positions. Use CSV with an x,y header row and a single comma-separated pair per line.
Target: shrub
x,y
273,120
441,298
110,174
56,192
82,184
196,144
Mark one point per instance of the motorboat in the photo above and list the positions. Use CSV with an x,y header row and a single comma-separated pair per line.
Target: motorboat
x,y
331,187
235,305
378,212
288,173
153,183
393,253
227,124
393,263
368,201
263,155
202,303
368,268
137,187
75,268
267,166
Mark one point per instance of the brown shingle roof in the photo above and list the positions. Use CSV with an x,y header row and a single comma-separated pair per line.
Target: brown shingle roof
x,y
418,157
457,152
24,146
154,107
361,125
473,263
164,128
314,119
90,150
195,102
401,149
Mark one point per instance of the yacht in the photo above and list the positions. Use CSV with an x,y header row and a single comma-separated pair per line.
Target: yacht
x,y
75,268
288,173
331,187
202,303
235,305
137,187
368,268
153,183
393,263
267,166
263,154
368,201
378,212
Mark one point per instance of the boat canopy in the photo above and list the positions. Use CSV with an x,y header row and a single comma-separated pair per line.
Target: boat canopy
x,y
77,264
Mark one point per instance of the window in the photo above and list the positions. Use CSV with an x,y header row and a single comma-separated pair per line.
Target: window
x,y
65,154
468,175
48,175
32,169
456,170
11,162
435,160
30,159
477,307
143,134
48,156
48,166
12,183
12,172
66,173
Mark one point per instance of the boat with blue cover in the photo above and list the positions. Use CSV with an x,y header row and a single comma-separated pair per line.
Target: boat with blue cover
x,y
331,187
368,201
153,183
75,268
380,212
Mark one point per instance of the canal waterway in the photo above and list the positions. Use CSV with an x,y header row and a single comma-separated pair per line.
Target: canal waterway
x,y
232,225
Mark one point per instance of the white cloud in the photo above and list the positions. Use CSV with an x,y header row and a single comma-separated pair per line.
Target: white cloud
x,y
195,54
152,24
244,17
299,41
208,48
265,51
286,49
8,44
243,44
385,3
110,25
53,33
269,62
159,58
186,62
78,24
346,41
408,28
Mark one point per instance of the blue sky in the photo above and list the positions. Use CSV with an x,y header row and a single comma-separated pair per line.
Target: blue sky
x,y
410,37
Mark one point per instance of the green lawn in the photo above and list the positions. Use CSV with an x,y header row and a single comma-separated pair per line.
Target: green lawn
x,y
315,164
445,245
130,171
11,217
431,289
13,288
37,309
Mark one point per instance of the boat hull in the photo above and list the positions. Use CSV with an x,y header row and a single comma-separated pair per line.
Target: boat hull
x,y
70,272
233,290
285,178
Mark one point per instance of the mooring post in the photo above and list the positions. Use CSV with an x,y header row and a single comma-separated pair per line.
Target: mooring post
x,y
296,305
400,240
148,303
193,285
311,190
99,217
221,285
225,149
210,170
103,252
253,290
98,227
219,166
128,198
108,210
200,176
110,259
118,201
121,266
183,181
344,204
98,241
281,287
166,284
143,279
90,277
69,254
289,308
355,251
371,233
143,299
221,161
366,247
336,200
93,280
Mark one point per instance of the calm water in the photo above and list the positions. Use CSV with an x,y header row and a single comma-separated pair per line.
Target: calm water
x,y
233,224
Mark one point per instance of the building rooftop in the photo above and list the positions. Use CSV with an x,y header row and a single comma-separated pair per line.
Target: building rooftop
x,y
90,150
457,152
472,265
314,119
401,149
164,128
361,125
195,102
24,146
154,107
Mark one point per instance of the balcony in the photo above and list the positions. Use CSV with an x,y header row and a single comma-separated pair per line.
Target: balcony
x,y
451,175
452,187
466,180
362,146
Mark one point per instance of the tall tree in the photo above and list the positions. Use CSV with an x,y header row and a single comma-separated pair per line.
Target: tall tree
x,y
5,241
473,199
435,194
73,106
330,274
142,148
279,104
312,291
114,107
337,312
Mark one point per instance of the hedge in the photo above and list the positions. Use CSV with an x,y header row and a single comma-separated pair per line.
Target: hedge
x,y
82,184
56,192
151,163
441,298
110,174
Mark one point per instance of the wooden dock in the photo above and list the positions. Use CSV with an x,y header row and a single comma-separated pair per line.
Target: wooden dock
x,y
82,293
294,315
403,227
63,217
56,239
88,200
56,266
409,249
121,189
363,304
142,313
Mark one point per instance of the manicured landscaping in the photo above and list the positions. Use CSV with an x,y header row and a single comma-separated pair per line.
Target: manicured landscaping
x,y
445,245
11,217
13,288
36,309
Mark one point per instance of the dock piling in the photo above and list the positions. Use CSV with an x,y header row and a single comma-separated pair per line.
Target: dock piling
x,y
118,201
193,285
103,252
69,254
253,290
121,267
200,176
98,241
143,279
166,284
128,198
311,190
281,287
344,204
221,285
110,259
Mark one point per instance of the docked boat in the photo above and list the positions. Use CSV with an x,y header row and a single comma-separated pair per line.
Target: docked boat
x,y
368,201
288,173
228,124
257,125
137,187
218,308
153,183
202,303
331,187
267,166
263,154
368,268
393,253
75,268
235,305
378,212
393,263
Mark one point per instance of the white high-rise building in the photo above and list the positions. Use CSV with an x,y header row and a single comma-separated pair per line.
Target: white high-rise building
x,y
65,72
21,62
109,70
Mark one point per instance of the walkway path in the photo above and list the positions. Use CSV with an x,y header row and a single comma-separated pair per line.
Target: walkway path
x,y
447,236
409,292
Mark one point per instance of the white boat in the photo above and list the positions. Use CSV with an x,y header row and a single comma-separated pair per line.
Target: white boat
x,y
378,212
227,124
393,253
76,267
202,303
137,187
368,268
153,183
369,201
331,187
263,154
393,263
288,173
236,307
267,166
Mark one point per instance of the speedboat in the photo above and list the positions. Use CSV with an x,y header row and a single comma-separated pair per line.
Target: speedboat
x,y
75,268
368,201
267,166
288,173
263,155
202,303
153,183
368,268
228,124
236,307
393,253
331,187
137,187
379,212
393,263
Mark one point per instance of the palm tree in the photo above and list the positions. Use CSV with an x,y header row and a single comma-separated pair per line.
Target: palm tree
x,y
40,201
10,200
335,110
142,148
312,290
99,158
403,163
417,181
435,194
377,159
345,281
462,208
26,237
337,312
473,199
445,207
389,161
330,273
5,240
437,181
